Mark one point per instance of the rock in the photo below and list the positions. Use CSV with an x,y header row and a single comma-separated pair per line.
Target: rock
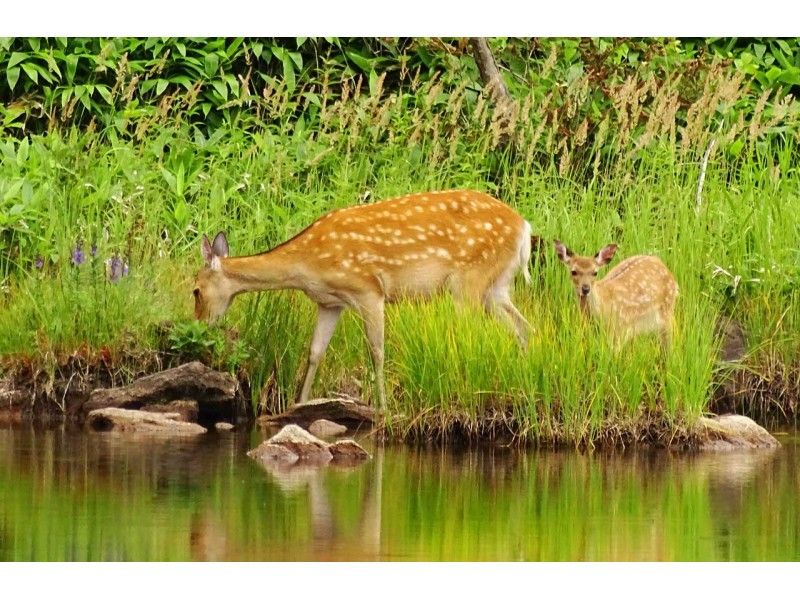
x,y
273,453
326,428
188,410
345,411
293,445
129,420
347,451
223,427
214,392
306,446
729,432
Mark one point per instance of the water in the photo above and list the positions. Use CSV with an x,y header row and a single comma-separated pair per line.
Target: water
x,y
68,495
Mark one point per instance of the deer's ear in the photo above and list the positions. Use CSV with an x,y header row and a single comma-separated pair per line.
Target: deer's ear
x,y
564,253
206,250
606,254
220,245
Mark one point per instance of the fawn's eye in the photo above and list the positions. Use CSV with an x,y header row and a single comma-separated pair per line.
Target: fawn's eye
x,y
594,273
574,272
196,293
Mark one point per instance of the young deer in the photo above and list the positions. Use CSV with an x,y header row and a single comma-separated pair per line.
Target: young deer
x,y
365,256
636,297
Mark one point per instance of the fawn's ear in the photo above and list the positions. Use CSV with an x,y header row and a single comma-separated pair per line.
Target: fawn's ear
x,y
606,254
564,253
220,245
206,250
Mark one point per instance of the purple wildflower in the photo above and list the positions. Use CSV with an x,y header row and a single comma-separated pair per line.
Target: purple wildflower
x,y
94,250
116,268
77,255
39,263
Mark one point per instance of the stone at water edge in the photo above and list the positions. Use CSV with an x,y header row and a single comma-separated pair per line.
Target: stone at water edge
x,y
729,432
223,427
348,451
292,444
326,429
213,391
349,411
188,410
307,447
273,453
143,422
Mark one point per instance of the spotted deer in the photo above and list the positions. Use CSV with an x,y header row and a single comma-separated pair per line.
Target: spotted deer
x,y
635,297
364,256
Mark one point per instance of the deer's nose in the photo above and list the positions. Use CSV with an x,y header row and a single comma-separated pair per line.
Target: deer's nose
x,y
585,289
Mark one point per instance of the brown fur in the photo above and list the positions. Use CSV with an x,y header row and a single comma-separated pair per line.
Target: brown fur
x,y
414,246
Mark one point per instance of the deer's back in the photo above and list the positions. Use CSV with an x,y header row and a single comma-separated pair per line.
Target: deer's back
x,y
414,244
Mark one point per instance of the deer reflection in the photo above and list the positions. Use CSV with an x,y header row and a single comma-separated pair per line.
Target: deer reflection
x,y
331,541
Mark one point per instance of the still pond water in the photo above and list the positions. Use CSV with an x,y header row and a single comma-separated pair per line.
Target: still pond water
x,y
67,495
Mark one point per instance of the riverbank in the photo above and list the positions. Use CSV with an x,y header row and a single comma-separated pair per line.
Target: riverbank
x,y
102,243
771,402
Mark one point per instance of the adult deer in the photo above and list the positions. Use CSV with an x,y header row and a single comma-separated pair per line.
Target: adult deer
x,y
365,256
636,297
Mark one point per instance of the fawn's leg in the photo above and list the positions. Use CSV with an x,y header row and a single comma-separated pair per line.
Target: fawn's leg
x,y
372,314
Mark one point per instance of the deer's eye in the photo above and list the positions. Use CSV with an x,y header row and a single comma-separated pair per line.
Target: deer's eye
x,y
196,293
574,272
594,273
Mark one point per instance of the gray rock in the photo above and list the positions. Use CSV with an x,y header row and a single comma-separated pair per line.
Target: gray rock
x,y
140,422
187,410
730,432
213,391
326,428
346,411
223,427
293,445
306,446
273,453
348,451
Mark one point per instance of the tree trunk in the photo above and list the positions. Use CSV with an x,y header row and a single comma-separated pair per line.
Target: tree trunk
x,y
505,107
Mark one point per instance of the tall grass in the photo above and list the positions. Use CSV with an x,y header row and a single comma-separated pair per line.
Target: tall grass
x,y
632,181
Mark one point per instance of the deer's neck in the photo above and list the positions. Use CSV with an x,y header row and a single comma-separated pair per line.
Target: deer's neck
x,y
267,271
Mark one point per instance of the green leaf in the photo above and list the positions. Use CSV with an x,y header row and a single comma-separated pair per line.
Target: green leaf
x,y
181,48
736,147
288,73
211,63
758,50
362,62
105,94
256,48
65,97
161,86
16,58
373,83
221,88
12,75
31,72
773,73
72,66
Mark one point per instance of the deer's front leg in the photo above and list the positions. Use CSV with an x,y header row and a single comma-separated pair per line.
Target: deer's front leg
x,y
372,314
327,317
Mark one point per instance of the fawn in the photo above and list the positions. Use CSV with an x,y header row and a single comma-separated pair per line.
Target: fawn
x,y
636,297
364,256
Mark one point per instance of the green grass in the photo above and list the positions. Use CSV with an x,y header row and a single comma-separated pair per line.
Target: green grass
x,y
150,200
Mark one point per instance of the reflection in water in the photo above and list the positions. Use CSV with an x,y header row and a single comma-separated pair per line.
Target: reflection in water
x,y
68,495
